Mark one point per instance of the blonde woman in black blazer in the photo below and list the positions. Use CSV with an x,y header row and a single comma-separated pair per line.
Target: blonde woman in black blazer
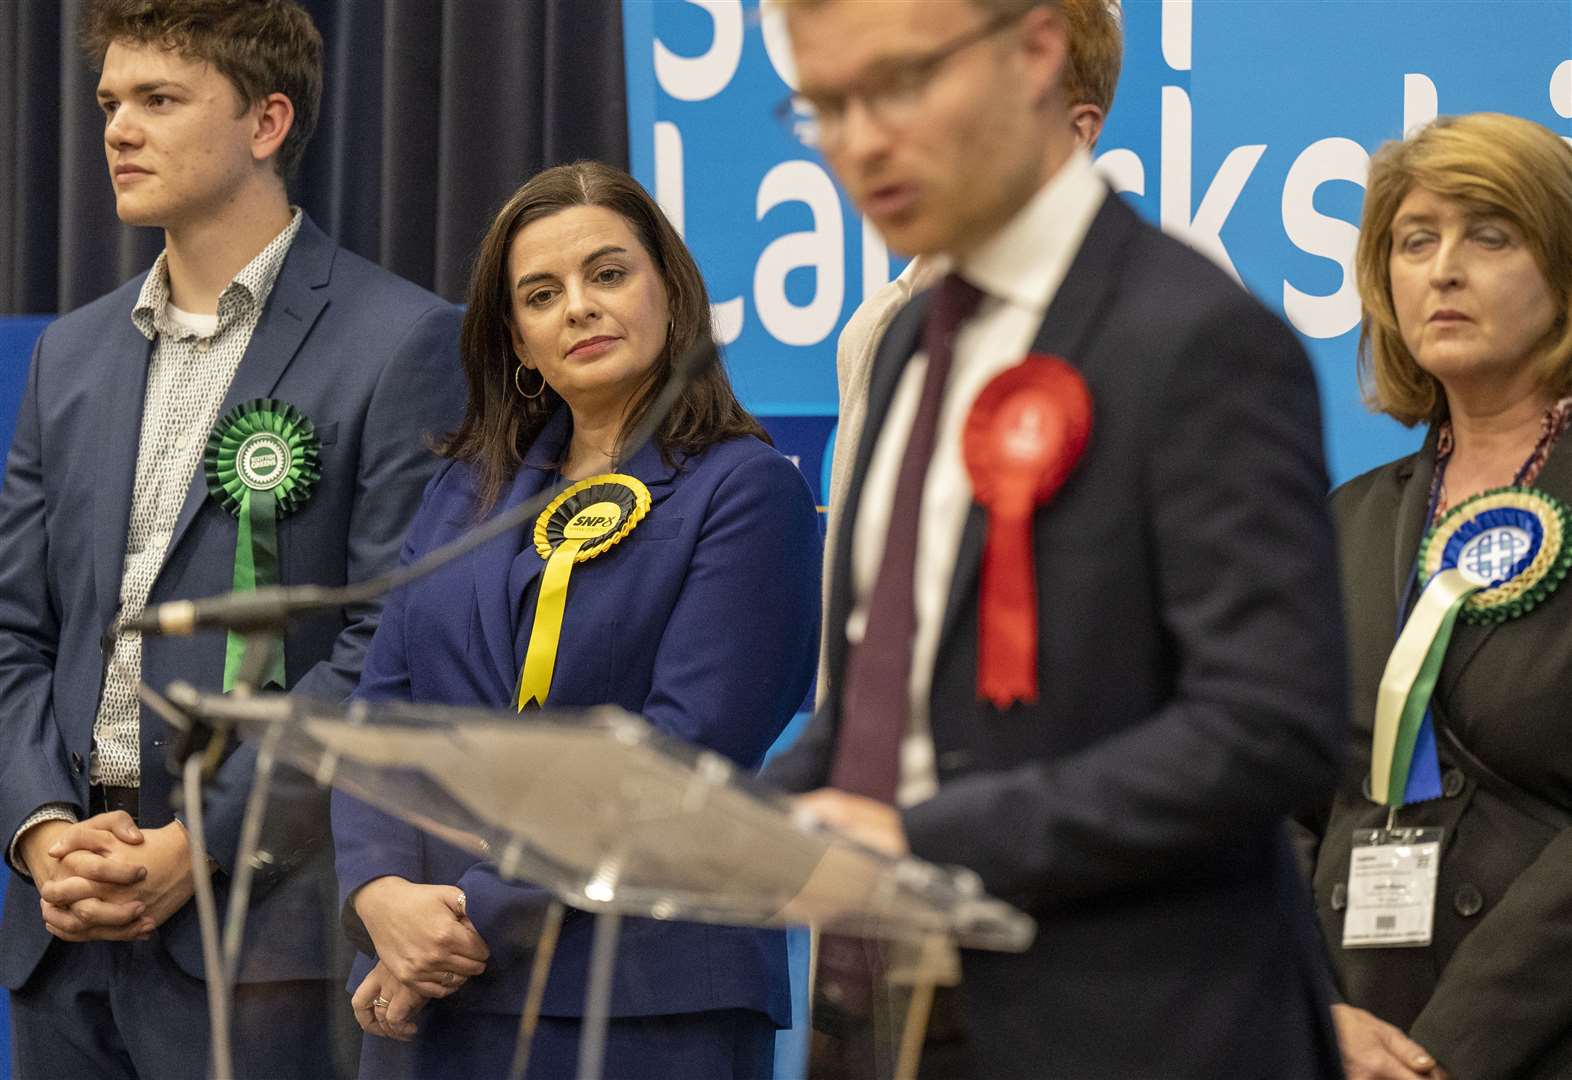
x,y
1465,269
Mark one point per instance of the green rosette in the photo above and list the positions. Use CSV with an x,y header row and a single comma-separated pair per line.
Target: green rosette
x,y
261,464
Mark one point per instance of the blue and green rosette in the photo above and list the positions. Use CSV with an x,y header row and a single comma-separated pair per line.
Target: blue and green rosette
x,y
261,465
1493,557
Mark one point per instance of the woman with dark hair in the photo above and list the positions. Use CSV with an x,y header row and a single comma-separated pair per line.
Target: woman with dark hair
x,y
698,608
1443,867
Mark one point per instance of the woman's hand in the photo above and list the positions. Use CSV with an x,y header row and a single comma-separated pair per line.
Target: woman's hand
x,y
386,1007
1375,1050
421,934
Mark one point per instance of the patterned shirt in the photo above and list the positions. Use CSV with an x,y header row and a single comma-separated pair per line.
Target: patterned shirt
x,y
187,379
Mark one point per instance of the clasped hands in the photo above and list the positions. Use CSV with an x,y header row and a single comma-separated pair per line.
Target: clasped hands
x,y
426,948
104,879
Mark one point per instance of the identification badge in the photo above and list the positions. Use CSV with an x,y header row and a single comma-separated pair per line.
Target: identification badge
x,y
1392,888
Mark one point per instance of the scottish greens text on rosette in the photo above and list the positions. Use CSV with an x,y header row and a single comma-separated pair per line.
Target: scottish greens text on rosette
x,y
1493,557
261,465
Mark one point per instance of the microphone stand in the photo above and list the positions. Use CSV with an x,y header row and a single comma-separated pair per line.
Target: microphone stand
x,y
262,614
195,756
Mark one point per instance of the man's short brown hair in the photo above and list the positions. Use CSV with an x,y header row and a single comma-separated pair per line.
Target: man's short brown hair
x,y
261,46
1096,52
1091,73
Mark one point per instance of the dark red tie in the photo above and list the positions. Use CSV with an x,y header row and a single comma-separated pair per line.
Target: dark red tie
x,y
875,707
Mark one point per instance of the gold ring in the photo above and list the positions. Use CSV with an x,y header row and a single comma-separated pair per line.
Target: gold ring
x,y
380,1003
449,978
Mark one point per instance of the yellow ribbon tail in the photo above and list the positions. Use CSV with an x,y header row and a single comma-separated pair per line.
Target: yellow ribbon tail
x,y
1432,618
540,659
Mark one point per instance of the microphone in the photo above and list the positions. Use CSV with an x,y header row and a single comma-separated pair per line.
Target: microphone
x,y
261,609
269,608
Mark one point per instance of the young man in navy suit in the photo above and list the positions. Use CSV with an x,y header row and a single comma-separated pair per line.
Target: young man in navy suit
x,y
1109,719
108,507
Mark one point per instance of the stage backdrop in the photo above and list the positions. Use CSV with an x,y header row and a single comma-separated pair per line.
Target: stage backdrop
x,y
1245,127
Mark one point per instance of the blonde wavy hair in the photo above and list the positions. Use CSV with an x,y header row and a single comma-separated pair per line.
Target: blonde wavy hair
x,y
1494,163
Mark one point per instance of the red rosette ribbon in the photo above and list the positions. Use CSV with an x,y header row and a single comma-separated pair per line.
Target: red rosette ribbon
x,y
1024,435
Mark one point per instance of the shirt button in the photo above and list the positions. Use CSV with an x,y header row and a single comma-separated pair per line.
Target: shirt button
x,y
204,345
1467,901
1339,896
180,441
1452,783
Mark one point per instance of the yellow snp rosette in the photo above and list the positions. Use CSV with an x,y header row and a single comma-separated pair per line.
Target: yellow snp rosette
x,y
588,519
1492,558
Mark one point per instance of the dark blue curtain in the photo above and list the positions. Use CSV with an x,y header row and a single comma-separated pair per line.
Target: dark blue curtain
x,y
433,111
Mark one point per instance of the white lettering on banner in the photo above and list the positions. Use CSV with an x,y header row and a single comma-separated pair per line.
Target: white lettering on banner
x,y
1419,101
726,320
1561,90
1176,34
1321,234
1204,230
726,315
1123,171
669,191
720,28
698,78
777,44
822,249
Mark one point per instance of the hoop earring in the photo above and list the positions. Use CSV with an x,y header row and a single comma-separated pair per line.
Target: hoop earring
x,y
518,375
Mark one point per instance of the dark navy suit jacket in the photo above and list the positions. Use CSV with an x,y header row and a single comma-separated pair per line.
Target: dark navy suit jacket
x,y
1193,691
372,361
704,619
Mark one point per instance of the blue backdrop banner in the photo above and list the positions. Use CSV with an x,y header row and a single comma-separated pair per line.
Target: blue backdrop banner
x,y
1245,127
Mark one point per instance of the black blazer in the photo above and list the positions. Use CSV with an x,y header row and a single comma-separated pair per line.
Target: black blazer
x,y
1492,995
1193,692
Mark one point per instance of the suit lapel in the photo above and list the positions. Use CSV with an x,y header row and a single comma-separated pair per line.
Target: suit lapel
x,y
1075,309
898,346
491,564
120,424
298,297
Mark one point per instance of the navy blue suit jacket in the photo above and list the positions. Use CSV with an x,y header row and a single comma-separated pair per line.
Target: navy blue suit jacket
x,y
704,619
372,360
1193,691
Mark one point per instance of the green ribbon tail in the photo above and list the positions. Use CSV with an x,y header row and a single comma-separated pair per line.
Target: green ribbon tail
x,y
1409,680
1418,701
256,566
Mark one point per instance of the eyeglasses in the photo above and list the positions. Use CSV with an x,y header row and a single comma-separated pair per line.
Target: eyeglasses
x,y
890,95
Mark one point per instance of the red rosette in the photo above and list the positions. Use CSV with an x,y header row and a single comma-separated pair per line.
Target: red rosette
x,y
1024,435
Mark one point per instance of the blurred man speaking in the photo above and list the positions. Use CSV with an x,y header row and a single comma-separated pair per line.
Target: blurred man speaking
x,y
1083,624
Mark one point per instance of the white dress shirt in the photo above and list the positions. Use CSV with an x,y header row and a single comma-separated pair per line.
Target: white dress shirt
x,y
1019,270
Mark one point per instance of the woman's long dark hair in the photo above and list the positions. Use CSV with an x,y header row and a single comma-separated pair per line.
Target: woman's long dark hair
x,y
499,423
